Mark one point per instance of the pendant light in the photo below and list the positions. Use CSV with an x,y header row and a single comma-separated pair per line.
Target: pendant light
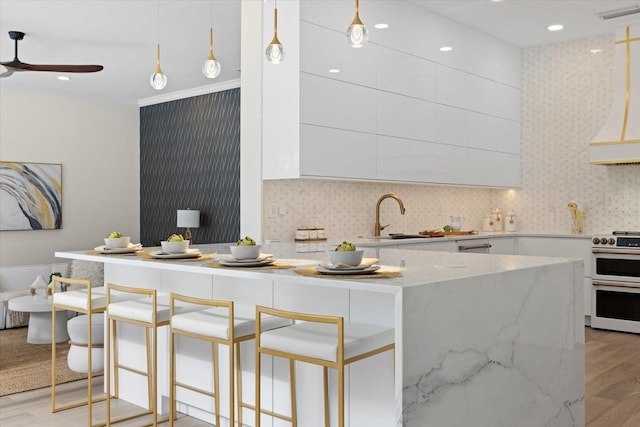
x,y
357,33
158,80
275,51
211,67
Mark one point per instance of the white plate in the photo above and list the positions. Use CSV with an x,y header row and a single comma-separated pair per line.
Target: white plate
x,y
191,253
131,248
231,258
367,270
246,263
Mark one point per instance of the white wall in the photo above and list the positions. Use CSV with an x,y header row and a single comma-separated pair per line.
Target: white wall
x,y
97,144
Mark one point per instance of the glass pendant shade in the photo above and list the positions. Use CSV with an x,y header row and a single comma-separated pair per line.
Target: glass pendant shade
x,y
357,33
211,67
158,80
275,51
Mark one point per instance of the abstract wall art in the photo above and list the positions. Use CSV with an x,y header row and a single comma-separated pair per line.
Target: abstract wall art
x,y
30,196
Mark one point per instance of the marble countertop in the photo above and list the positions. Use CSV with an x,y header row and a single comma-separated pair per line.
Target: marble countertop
x,y
418,267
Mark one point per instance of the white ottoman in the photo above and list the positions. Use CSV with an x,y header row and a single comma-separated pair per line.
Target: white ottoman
x,y
77,357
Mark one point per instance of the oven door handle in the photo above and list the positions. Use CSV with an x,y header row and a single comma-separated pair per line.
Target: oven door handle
x,y
616,252
613,284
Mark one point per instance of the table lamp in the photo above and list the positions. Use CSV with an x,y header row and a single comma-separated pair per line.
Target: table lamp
x,y
188,219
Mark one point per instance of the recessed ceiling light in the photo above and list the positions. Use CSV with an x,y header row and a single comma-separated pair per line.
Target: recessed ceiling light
x,y
446,49
496,1
555,27
334,70
63,78
594,51
381,26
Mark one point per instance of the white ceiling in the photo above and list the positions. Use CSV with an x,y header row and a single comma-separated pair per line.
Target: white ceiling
x,y
524,22
121,35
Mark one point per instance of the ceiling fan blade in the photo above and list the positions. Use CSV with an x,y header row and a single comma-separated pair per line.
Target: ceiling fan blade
x,y
19,65
7,73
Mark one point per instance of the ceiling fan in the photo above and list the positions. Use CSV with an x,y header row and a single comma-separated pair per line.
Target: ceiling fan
x,y
17,65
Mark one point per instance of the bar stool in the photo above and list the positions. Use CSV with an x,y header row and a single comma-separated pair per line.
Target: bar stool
x,y
216,323
327,341
86,300
151,311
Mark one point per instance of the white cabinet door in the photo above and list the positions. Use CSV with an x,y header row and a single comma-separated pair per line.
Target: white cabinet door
x,y
337,153
443,246
508,136
405,160
507,102
405,117
503,246
567,247
326,50
404,74
336,104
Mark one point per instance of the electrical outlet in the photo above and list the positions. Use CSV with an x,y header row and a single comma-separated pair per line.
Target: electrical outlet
x,y
273,212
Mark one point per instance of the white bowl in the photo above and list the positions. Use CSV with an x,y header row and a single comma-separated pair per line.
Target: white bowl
x,y
118,242
245,252
351,258
174,247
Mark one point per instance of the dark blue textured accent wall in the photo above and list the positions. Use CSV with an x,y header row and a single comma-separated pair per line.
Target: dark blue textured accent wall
x,y
190,158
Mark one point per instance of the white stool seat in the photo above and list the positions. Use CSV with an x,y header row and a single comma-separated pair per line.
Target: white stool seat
x,y
78,298
214,322
141,309
77,328
319,340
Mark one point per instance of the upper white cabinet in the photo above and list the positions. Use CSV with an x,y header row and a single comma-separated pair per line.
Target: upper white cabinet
x,y
394,110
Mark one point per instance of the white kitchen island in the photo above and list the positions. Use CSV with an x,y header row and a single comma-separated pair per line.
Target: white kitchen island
x,y
482,340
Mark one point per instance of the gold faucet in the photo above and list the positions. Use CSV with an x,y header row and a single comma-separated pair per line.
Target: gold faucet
x,y
378,228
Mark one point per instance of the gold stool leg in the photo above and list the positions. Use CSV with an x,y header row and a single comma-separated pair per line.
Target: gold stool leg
x,y
341,395
53,359
238,368
107,378
292,385
153,401
232,409
172,377
116,362
257,391
216,383
90,369
325,377
149,367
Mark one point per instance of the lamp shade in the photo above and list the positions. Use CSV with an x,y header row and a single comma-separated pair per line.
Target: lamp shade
x,y
188,218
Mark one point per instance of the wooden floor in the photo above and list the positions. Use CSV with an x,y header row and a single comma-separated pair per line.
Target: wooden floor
x,y
612,380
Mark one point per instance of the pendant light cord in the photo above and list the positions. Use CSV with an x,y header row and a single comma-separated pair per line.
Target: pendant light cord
x,y
211,27
275,18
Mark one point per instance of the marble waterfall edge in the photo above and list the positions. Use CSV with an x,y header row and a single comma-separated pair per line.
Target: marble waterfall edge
x,y
513,360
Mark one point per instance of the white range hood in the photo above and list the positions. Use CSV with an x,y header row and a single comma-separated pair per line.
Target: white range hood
x,y
619,140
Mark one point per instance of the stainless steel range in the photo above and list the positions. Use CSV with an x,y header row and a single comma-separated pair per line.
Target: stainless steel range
x,y
616,281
